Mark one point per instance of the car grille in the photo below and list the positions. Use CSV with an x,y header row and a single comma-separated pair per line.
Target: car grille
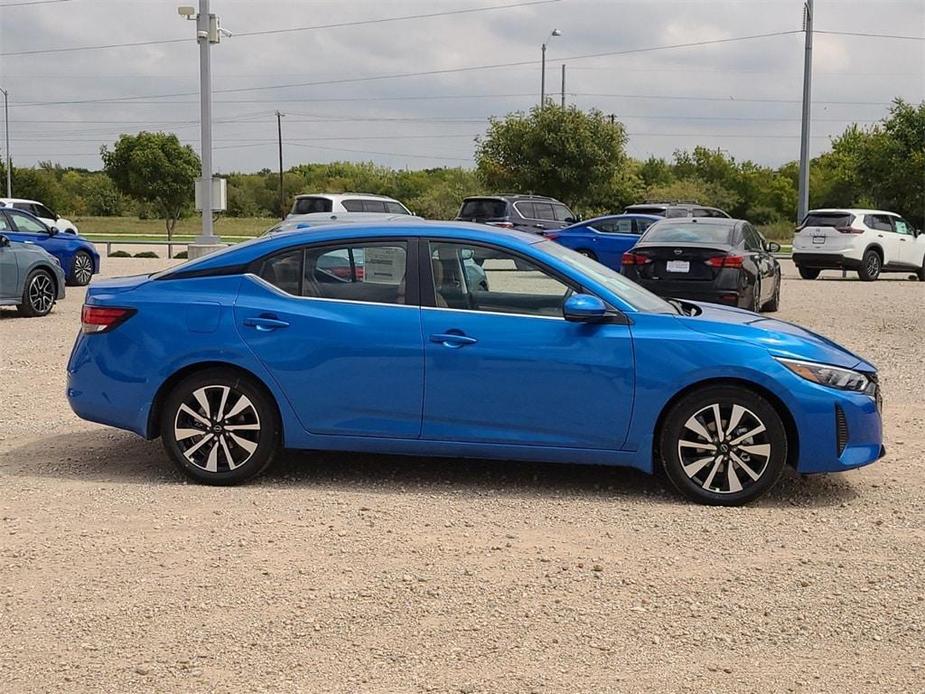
x,y
841,430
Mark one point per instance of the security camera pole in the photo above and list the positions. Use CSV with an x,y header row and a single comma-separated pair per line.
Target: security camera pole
x,y
208,32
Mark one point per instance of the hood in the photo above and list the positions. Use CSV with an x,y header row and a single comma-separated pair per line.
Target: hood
x,y
779,337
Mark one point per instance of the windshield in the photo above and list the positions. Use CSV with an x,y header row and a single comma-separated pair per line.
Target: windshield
x,y
688,232
483,208
637,297
310,205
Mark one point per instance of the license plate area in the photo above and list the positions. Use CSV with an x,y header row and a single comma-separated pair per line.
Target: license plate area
x,y
678,266
818,240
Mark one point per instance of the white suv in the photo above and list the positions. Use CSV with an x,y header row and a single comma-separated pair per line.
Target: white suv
x,y
869,241
340,203
39,210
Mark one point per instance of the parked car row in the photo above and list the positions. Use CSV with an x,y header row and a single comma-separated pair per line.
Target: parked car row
x,y
37,261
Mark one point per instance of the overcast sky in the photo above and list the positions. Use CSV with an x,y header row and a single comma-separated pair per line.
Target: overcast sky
x,y
742,97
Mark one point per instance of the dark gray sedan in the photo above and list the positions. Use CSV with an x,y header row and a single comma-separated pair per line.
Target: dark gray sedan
x,y
30,278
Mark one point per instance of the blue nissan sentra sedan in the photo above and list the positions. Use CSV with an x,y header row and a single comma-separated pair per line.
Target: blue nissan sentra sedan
x,y
372,338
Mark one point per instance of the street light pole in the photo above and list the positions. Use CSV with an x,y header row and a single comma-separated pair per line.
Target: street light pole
x,y
279,131
9,159
203,27
552,34
563,85
803,202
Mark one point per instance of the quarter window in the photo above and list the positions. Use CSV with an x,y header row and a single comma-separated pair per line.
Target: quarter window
x,y
479,278
395,208
4,225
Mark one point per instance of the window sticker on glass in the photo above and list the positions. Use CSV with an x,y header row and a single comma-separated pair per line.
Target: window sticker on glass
x,y
384,265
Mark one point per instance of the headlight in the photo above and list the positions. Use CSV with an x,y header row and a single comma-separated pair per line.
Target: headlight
x,y
831,376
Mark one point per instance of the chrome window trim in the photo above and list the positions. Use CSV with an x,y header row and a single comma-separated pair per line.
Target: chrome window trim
x,y
491,313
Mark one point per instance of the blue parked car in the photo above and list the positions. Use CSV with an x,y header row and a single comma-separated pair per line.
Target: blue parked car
x,y
232,357
77,256
604,239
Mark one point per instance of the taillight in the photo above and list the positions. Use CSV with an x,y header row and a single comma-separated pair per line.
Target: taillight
x,y
848,230
730,260
99,319
636,259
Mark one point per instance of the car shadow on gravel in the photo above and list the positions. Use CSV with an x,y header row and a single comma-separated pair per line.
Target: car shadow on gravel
x,y
116,457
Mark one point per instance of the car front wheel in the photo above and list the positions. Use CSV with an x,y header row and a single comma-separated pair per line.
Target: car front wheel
x,y
220,427
723,445
81,269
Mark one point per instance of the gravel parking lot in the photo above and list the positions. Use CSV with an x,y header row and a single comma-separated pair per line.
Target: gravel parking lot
x,y
372,573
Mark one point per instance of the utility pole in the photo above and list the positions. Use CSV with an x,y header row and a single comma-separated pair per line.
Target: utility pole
x,y
279,131
552,35
563,85
803,202
9,159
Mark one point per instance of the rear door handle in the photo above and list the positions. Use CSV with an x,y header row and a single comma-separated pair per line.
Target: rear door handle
x,y
265,323
452,340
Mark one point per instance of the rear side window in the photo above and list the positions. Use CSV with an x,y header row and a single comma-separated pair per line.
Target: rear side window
x,y
880,222
483,208
690,232
311,205
527,210
543,210
828,219
4,225
368,272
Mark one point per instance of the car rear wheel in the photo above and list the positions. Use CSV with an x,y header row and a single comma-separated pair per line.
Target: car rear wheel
x,y
809,273
38,294
219,427
81,269
870,266
723,445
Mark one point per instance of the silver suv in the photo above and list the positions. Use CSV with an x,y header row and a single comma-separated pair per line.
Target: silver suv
x,y
338,203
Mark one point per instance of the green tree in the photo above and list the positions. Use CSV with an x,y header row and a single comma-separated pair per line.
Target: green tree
x,y
154,168
563,152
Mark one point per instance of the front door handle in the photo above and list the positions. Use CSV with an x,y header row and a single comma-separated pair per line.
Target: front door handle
x,y
265,323
452,340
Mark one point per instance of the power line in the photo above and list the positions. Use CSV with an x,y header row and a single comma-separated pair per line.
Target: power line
x,y
246,34
31,2
870,36
423,73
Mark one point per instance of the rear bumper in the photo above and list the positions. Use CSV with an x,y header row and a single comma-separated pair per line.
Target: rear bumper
x,y
693,291
833,261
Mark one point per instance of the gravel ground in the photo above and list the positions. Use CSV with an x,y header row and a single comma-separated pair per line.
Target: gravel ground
x,y
373,573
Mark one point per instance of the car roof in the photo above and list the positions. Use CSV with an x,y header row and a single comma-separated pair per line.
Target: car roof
x,y
248,251
850,210
717,221
5,201
343,196
511,196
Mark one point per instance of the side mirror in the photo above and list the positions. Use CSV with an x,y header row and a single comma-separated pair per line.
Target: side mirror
x,y
584,308
773,247
4,241
53,231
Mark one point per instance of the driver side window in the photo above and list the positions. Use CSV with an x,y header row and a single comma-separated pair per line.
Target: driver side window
x,y
26,223
479,278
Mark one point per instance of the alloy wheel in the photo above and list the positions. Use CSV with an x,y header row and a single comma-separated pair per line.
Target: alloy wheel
x,y
217,428
873,264
83,269
724,448
41,293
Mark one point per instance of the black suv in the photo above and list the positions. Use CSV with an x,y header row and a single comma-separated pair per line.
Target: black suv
x,y
675,209
533,213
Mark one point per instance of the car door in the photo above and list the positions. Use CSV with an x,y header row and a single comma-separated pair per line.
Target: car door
x,y
339,330
887,237
618,237
28,229
764,261
503,366
910,248
9,268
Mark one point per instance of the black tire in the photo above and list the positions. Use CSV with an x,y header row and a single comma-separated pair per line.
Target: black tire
x,y
809,273
587,254
752,302
38,295
81,270
920,273
237,453
773,304
870,267
756,461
